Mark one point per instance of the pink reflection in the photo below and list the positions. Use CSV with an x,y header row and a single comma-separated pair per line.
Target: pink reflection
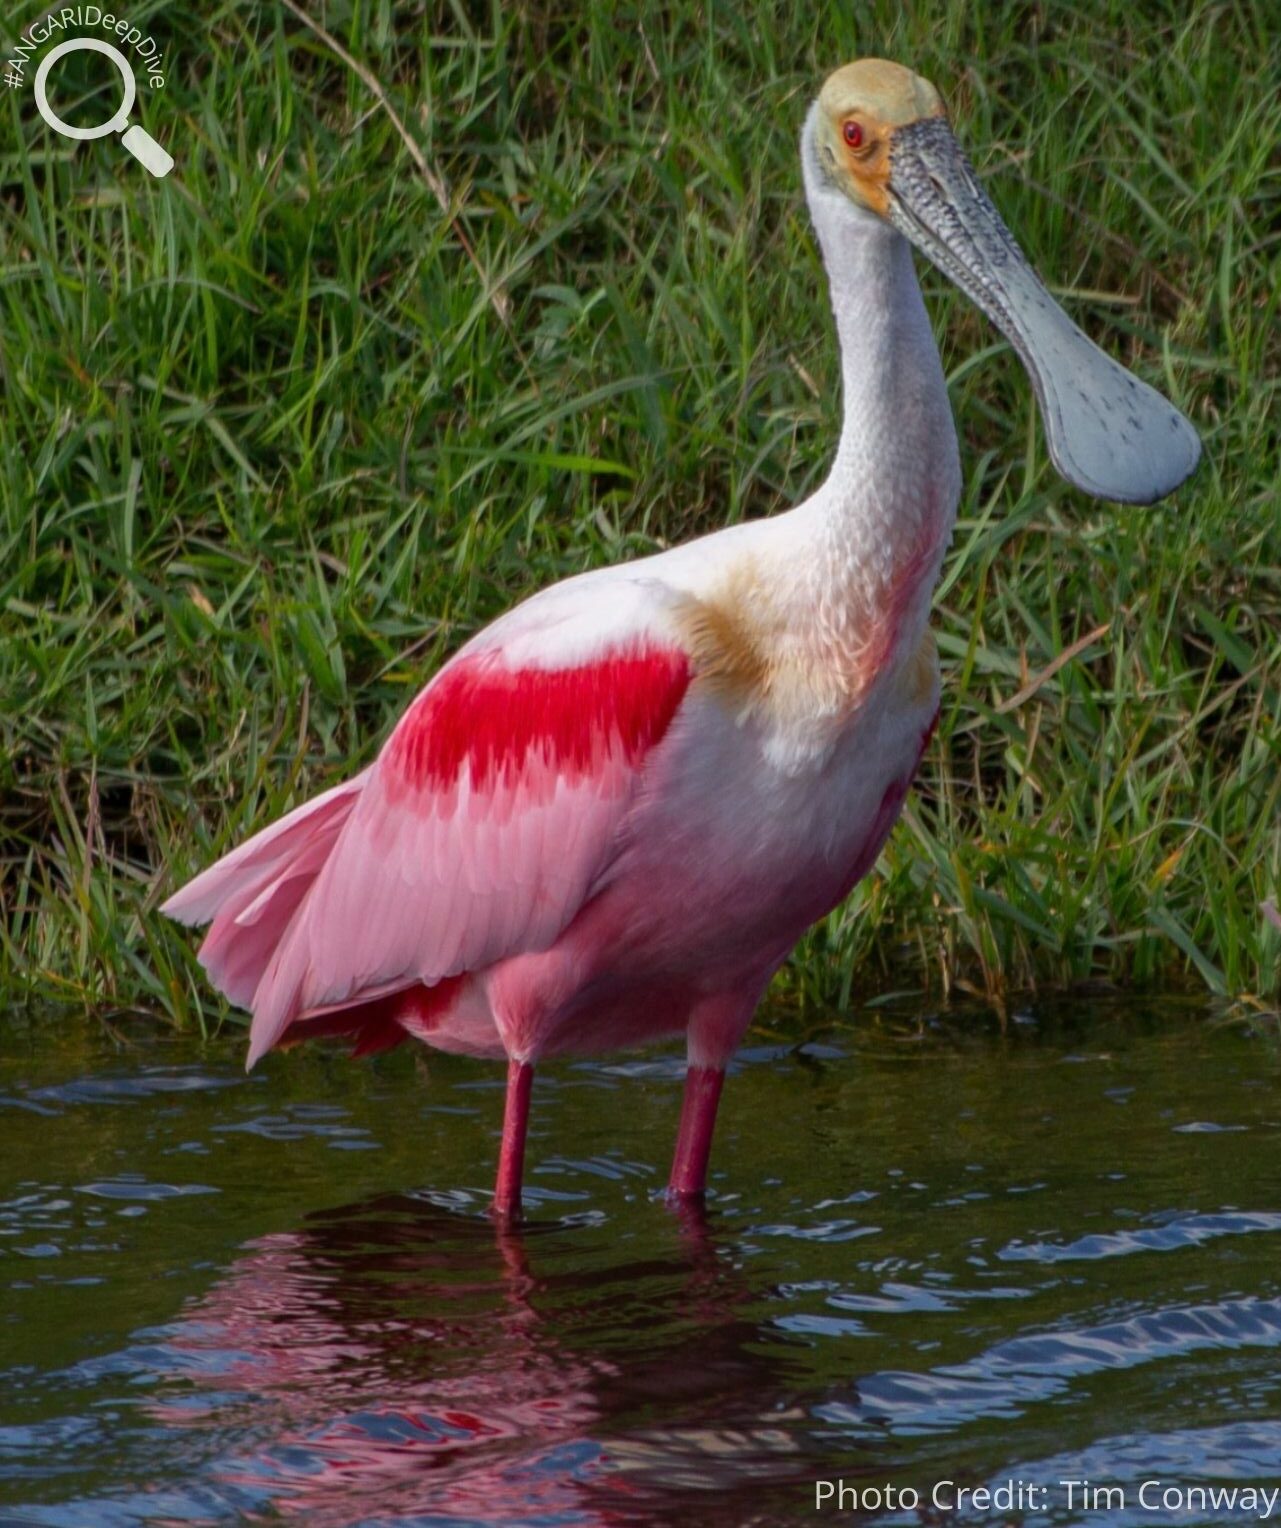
x,y
394,1360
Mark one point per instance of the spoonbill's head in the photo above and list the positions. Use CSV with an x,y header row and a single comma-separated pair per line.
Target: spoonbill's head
x,y
878,138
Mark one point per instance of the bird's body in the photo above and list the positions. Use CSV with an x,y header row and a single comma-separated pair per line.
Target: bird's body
x,y
611,815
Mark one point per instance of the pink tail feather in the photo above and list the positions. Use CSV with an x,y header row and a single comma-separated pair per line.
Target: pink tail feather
x,y
251,895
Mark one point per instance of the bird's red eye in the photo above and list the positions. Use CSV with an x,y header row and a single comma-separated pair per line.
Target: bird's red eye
x,y
853,134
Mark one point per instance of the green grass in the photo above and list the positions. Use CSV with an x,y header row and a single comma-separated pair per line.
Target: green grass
x,y
277,435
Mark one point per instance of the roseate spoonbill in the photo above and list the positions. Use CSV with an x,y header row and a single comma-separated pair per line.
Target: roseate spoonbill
x,y
611,815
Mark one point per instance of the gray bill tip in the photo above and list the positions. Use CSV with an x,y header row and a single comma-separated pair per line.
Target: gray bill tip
x,y
1108,432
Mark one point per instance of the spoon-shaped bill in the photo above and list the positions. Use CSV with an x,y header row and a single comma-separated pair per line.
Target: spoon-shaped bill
x,y
1108,433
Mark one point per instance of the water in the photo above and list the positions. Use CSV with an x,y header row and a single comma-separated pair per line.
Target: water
x,y
935,1252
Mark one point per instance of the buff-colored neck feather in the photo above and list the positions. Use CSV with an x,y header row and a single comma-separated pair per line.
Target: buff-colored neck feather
x,y
806,629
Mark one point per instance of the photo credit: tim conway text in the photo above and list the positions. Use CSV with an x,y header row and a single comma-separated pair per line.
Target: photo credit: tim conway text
x,y
1172,1499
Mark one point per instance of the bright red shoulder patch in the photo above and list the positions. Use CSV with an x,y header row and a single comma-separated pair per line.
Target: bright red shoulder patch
x,y
501,721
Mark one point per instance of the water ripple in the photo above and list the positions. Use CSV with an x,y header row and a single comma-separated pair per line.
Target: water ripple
x,y
1185,1231
122,1088
1012,1375
289,1127
133,1186
1235,1455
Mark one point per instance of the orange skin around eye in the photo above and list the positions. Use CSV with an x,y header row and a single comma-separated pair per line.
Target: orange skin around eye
x,y
868,160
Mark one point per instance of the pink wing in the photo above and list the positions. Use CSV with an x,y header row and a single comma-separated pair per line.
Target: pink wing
x,y
493,807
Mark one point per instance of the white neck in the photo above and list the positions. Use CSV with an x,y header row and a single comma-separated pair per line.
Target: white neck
x,y
881,521
897,463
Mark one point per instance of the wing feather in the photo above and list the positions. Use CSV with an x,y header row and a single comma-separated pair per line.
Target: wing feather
x,y
478,832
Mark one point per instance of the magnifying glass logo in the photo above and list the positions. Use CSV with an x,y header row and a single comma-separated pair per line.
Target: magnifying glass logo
x,y
140,143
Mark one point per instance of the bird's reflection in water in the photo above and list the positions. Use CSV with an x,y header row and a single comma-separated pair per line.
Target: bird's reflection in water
x,y
398,1361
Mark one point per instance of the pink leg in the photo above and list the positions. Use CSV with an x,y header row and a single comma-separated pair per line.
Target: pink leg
x,y
511,1156
694,1138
